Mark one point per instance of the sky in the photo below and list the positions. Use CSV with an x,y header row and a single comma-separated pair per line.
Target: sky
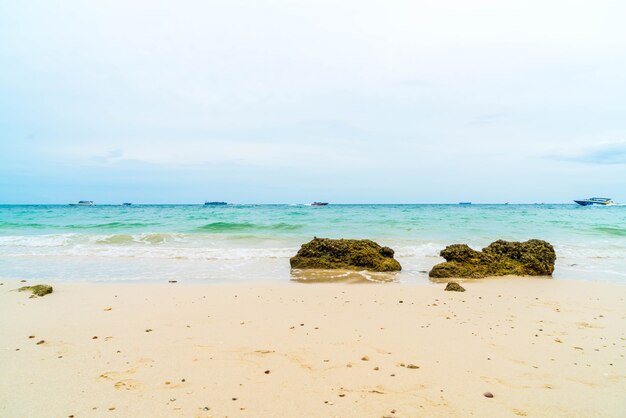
x,y
271,101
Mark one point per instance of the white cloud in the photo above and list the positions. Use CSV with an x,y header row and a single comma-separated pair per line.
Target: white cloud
x,y
188,153
607,152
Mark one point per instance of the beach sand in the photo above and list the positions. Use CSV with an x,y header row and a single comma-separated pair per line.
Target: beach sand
x,y
543,348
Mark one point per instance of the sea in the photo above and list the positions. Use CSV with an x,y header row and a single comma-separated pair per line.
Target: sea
x,y
253,243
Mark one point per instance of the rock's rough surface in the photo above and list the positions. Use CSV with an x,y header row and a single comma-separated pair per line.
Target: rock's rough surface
x,y
454,287
500,258
350,254
37,290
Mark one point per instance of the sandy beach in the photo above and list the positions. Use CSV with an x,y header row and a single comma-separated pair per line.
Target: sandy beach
x,y
542,348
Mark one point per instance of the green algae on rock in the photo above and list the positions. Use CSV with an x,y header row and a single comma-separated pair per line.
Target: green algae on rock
x,y
350,254
37,290
454,287
500,258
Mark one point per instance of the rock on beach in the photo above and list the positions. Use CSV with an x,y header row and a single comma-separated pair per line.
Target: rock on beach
x,y
37,290
454,287
500,258
350,254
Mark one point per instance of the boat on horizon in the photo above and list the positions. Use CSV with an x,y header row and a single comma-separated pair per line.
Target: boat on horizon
x,y
126,204
83,203
465,203
595,201
207,203
319,204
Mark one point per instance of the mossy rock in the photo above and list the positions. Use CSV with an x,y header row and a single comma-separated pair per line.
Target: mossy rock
x,y
37,290
349,254
454,287
500,258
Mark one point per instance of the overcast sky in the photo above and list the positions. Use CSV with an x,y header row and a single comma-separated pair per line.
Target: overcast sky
x,y
294,101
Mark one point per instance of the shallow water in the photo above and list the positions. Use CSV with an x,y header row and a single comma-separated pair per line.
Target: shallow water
x,y
254,242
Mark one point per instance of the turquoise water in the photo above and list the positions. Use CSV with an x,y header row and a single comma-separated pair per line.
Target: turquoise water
x,y
254,242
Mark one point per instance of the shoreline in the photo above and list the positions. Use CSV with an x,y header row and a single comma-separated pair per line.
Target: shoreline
x,y
294,279
541,347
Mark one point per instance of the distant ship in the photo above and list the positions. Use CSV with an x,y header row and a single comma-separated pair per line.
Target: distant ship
x,y
465,203
126,204
319,203
83,203
592,201
207,203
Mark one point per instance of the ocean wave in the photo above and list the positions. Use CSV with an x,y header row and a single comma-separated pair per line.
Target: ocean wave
x,y
246,226
150,238
36,240
159,238
16,225
110,225
116,239
609,230
85,240
429,249
113,251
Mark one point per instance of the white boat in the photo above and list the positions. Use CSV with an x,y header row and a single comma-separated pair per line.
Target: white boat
x,y
83,203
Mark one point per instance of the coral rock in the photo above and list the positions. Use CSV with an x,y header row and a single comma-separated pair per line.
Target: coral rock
x,y
530,258
37,290
454,287
351,254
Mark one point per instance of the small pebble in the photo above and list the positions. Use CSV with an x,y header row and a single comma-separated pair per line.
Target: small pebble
x,y
488,395
365,358
149,330
412,366
41,342
95,337
31,336
267,372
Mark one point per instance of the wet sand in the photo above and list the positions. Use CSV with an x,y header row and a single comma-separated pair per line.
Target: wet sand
x,y
542,348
